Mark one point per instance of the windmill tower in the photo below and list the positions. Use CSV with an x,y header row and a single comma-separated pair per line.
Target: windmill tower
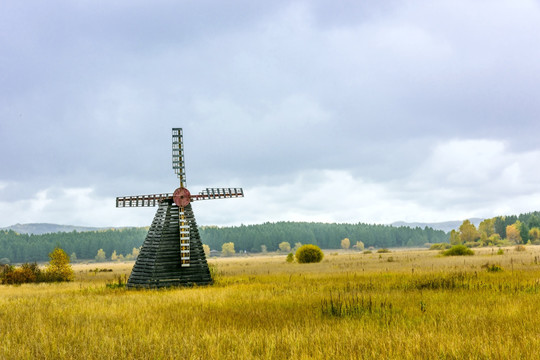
x,y
172,253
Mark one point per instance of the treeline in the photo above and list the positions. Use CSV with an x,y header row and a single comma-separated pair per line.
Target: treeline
x,y
500,230
252,238
20,248
85,245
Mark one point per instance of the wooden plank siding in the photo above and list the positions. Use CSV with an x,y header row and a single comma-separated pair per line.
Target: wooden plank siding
x,y
158,264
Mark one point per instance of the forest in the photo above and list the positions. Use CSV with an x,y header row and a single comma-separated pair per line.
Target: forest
x,y
501,230
84,245
251,238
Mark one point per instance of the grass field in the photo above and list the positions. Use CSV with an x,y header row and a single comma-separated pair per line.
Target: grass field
x,y
398,305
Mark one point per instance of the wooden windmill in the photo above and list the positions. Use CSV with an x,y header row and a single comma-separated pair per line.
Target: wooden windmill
x,y
172,253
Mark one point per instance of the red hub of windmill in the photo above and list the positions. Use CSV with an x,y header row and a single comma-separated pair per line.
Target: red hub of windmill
x,y
181,197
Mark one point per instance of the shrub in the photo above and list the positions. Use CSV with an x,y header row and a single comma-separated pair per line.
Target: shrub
x,y
500,252
367,252
309,254
458,250
27,273
382,251
520,248
290,258
494,268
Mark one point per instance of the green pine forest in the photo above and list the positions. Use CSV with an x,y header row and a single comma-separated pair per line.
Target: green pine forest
x,y
502,230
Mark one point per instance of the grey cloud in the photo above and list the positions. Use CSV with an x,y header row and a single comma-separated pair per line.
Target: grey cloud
x,y
263,90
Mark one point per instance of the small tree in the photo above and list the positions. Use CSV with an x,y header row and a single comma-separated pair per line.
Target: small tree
x,y
513,233
534,234
206,250
59,268
284,247
114,257
100,256
227,249
134,253
455,239
345,244
290,257
296,247
309,254
73,257
359,246
264,249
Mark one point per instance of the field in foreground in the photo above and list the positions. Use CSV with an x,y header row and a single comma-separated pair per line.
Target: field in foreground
x,y
399,305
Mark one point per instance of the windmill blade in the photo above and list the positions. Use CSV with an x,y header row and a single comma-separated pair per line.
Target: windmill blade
x,y
218,193
178,155
141,200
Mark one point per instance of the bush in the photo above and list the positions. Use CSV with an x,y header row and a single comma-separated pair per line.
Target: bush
x,y
290,258
367,252
494,268
27,273
458,250
500,252
309,254
382,251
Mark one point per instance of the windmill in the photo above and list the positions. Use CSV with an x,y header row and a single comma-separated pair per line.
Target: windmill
x,y
172,253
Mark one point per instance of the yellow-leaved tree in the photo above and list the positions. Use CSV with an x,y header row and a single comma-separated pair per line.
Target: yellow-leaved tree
x,y
468,232
227,249
487,227
59,268
455,239
206,250
534,234
513,233
345,243
284,246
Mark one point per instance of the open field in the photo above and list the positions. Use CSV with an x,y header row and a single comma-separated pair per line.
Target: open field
x,y
398,305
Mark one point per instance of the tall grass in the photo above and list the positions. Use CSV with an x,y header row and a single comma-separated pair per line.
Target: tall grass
x,y
351,305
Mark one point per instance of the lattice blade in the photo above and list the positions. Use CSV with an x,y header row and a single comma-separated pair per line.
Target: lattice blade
x,y
184,237
218,193
178,155
141,200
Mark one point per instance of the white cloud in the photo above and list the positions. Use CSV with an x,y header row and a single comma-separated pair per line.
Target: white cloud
x,y
458,179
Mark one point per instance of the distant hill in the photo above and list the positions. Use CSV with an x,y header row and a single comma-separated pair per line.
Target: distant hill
x,y
445,226
42,228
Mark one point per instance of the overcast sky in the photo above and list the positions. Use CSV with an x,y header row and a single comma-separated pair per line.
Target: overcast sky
x,y
349,111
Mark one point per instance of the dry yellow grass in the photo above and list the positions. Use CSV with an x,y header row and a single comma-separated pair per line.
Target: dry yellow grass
x,y
399,305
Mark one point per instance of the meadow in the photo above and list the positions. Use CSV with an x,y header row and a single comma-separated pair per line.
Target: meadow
x,y
406,304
